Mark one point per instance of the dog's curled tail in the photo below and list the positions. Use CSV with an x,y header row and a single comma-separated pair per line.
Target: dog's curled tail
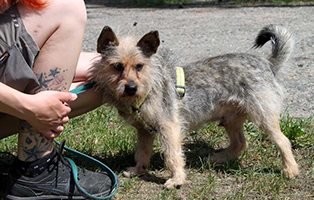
x,y
282,44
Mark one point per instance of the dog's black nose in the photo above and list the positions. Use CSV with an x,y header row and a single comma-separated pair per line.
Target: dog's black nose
x,y
130,88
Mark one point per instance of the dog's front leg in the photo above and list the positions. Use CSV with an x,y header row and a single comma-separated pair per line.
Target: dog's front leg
x,y
170,136
143,152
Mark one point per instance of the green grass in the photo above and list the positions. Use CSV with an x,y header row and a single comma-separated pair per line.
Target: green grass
x,y
256,174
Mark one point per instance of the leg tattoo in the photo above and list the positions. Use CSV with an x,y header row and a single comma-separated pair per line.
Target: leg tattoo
x,y
32,144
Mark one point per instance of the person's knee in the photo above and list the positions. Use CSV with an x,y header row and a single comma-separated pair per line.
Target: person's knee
x,y
78,10
73,12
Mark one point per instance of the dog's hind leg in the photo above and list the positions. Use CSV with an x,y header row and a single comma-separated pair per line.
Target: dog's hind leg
x,y
234,128
143,152
170,136
272,128
266,114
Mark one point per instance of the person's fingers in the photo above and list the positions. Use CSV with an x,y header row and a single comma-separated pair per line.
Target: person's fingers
x,y
49,134
58,129
56,134
66,96
66,110
65,120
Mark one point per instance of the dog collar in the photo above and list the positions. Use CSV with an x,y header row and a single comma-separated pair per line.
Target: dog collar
x,y
180,85
138,102
135,111
136,105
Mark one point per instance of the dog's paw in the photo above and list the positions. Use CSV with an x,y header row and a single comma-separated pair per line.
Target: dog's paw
x,y
173,183
127,174
291,172
133,171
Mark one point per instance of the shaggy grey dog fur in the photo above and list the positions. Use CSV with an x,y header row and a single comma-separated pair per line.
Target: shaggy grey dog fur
x,y
230,89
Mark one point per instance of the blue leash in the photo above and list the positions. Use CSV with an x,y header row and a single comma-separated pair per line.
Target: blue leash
x,y
83,88
91,160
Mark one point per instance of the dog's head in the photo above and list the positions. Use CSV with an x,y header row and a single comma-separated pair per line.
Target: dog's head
x,y
125,67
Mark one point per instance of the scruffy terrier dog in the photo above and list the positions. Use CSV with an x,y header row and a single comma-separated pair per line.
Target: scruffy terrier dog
x,y
228,88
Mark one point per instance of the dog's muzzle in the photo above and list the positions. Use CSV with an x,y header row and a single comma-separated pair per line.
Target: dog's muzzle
x,y
131,88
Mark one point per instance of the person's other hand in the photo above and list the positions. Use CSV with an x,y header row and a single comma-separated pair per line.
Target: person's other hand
x,y
47,111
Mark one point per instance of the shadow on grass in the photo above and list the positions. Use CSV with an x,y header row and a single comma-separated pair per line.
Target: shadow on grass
x,y
196,154
117,162
151,178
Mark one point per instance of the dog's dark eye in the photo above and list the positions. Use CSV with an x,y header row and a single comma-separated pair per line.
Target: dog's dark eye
x,y
119,67
138,67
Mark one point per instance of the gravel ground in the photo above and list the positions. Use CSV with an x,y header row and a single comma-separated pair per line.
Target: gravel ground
x,y
196,32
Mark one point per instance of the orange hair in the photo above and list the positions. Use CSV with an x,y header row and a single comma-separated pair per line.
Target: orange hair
x,y
38,4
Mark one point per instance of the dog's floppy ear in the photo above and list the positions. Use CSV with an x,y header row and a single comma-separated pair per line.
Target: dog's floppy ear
x,y
106,38
149,43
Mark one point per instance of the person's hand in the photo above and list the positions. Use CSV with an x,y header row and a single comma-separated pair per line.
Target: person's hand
x,y
47,111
